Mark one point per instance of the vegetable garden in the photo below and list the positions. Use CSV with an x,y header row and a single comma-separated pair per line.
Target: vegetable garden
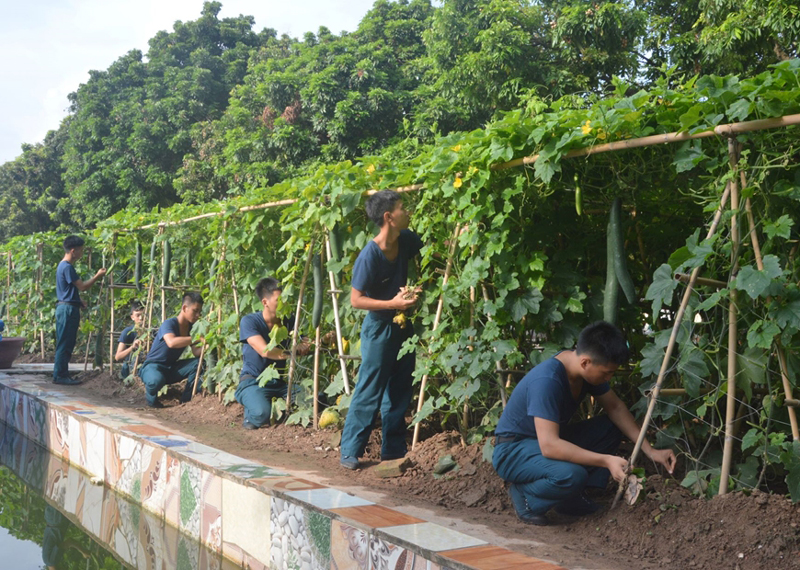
x,y
600,220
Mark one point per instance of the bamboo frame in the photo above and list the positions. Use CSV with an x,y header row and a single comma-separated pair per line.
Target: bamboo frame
x,y
296,329
701,281
498,366
149,310
340,348
199,368
316,377
436,320
40,256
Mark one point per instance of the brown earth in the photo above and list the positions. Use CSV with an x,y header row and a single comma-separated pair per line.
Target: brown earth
x,y
667,528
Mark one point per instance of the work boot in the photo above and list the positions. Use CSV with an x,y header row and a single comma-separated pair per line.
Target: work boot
x,y
349,462
578,506
67,381
523,510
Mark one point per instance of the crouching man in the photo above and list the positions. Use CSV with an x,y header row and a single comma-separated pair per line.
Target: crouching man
x,y
550,462
163,364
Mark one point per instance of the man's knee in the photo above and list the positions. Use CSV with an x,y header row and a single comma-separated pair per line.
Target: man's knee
x,y
569,476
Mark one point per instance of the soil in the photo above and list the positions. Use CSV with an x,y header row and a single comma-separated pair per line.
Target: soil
x,y
668,527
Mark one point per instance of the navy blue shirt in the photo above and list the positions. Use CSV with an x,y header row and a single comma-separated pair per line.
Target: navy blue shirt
x,y
543,393
381,279
128,335
254,324
66,276
160,352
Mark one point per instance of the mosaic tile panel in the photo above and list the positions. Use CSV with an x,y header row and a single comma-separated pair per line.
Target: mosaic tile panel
x,y
150,555
37,422
154,478
123,467
431,536
349,547
77,442
120,527
211,511
491,557
91,507
300,538
56,484
59,433
172,492
284,484
245,528
94,442
376,516
328,498
387,556
190,500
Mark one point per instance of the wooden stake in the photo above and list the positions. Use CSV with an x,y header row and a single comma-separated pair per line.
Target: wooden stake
x,y
235,291
40,255
335,299
451,251
730,409
86,356
149,308
199,368
497,364
111,304
316,378
295,331
671,345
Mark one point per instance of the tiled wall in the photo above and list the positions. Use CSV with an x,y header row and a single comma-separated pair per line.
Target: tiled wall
x,y
255,516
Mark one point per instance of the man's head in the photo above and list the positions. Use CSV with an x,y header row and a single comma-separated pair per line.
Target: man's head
x,y
137,313
386,206
191,306
269,291
74,245
601,350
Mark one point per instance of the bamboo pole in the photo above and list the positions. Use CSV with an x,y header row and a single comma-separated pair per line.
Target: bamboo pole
x,y
235,290
730,409
149,309
436,319
316,376
671,345
199,368
335,300
86,355
163,292
497,364
701,281
40,256
296,329
111,295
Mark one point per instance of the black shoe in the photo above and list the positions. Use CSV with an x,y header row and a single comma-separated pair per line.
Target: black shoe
x,y
349,462
578,506
67,381
523,510
248,425
186,397
158,405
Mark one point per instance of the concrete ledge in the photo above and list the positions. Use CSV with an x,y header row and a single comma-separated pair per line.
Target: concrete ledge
x,y
251,514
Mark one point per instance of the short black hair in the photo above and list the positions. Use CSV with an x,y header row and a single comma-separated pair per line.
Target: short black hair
x,y
136,306
380,203
603,343
266,286
192,298
73,242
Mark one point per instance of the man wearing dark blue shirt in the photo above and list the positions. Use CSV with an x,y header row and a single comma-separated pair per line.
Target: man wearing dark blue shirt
x,y
384,382
127,339
163,364
68,307
254,331
548,461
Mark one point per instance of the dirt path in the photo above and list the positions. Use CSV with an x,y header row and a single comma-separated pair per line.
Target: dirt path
x,y
667,528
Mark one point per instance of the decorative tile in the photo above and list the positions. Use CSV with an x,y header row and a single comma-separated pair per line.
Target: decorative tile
x,y
491,557
245,523
77,442
188,555
252,470
154,478
375,516
349,547
328,498
56,485
123,532
151,548
124,465
430,536
169,441
211,511
94,448
285,484
59,433
172,492
387,556
190,500
144,429
37,421
300,538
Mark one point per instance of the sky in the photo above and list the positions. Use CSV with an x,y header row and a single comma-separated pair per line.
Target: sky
x,y
49,46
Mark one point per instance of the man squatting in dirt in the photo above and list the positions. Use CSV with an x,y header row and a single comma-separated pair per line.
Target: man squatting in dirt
x,y
163,364
550,462
254,331
68,307
384,382
128,341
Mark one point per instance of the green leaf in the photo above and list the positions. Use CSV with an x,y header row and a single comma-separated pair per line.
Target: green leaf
x,y
740,109
752,281
661,289
752,438
527,303
761,334
692,368
689,155
782,227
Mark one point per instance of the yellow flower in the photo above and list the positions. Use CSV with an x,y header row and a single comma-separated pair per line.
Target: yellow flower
x,y
456,148
601,134
472,170
457,182
370,168
586,128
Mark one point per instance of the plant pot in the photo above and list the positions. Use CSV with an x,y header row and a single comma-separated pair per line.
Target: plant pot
x,y
10,347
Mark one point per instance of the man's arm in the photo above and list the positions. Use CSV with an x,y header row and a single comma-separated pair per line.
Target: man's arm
x,y
622,418
123,350
553,447
85,285
260,346
360,301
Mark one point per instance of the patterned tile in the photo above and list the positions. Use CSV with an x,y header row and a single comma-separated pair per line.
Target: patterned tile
x,y
92,507
170,441
154,478
120,527
245,523
172,492
430,536
123,466
151,542
56,484
375,516
77,441
285,484
328,498
496,558
59,433
94,448
252,470
387,556
300,538
144,429
349,547
190,500
211,511
37,421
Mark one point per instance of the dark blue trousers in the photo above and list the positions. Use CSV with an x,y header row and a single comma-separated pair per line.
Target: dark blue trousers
x,y
547,482
257,400
156,375
384,383
68,318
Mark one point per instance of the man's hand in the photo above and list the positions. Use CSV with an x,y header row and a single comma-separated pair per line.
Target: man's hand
x,y
401,303
100,273
303,348
618,467
665,457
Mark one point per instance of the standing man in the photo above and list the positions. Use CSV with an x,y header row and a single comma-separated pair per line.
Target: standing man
x,y
163,365
548,461
254,331
384,382
128,340
68,307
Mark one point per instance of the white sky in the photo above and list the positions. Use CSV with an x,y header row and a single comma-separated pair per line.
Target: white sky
x,y
49,46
